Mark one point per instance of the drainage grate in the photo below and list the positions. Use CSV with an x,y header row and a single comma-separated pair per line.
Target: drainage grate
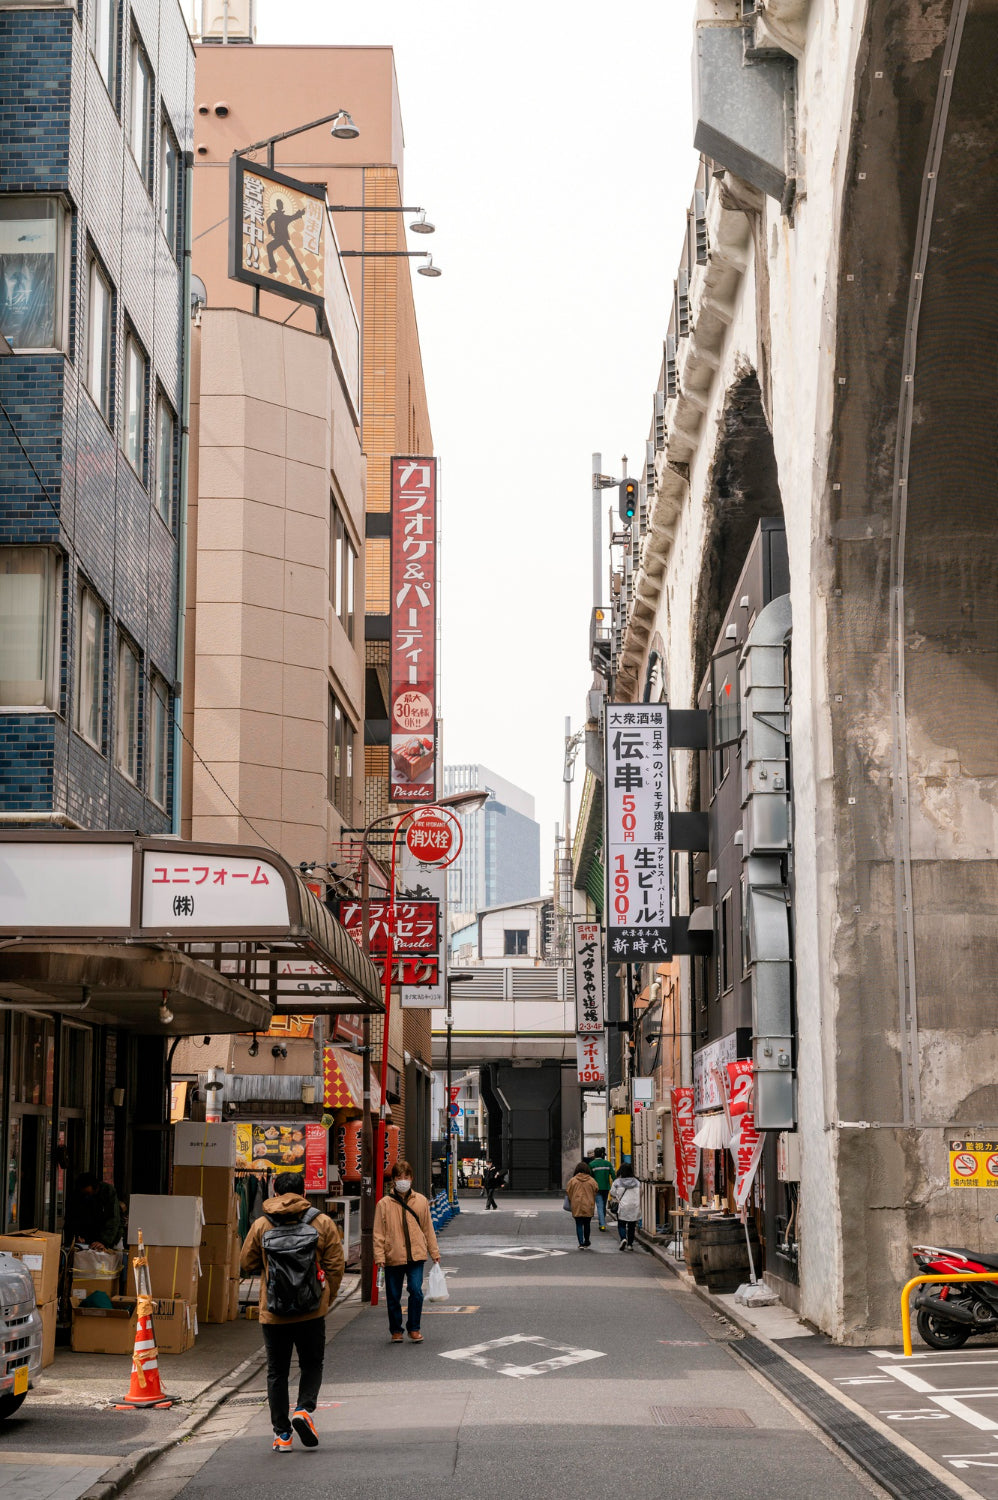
x,y
899,1475
251,1398
701,1416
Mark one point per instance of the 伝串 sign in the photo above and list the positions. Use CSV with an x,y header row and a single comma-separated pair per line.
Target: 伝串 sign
x,y
638,862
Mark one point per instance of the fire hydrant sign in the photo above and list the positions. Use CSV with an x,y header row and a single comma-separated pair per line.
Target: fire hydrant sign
x,y
591,1053
638,863
973,1164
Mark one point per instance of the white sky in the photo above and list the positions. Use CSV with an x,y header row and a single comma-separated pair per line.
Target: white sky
x,y
552,147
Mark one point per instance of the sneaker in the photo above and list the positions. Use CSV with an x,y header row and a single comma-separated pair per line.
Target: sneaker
x,y
623,1244
602,1229
302,1423
283,1442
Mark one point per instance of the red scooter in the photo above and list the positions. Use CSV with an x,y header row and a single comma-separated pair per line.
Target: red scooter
x,y
951,1313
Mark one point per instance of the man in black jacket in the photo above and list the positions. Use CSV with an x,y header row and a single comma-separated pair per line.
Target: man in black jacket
x,y
94,1215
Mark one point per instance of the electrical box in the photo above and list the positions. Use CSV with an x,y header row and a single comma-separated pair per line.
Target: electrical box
x,y
788,1156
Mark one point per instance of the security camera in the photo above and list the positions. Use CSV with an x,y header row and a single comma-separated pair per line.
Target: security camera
x,y
278,1050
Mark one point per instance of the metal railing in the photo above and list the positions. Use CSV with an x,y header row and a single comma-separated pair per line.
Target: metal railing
x,y
956,1278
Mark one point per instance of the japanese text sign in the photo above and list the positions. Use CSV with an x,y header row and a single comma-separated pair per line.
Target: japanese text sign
x,y
973,1164
591,1055
747,1149
708,1062
416,925
588,952
277,230
413,623
687,1153
638,864
211,890
429,837
417,881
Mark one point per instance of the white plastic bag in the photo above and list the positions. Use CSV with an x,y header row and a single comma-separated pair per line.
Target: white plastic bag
x,y
436,1287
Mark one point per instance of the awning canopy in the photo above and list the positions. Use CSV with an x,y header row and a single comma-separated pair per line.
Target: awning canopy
x,y
117,926
343,1080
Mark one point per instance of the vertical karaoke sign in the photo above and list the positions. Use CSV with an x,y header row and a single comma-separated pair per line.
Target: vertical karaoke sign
x,y
638,863
413,709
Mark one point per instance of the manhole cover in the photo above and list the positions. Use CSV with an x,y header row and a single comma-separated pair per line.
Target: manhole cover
x,y
701,1416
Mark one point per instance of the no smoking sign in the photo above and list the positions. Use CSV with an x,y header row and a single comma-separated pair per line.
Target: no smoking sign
x,y
973,1164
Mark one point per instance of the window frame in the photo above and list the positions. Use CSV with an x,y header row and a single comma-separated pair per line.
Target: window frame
x,y
62,218
341,737
133,350
158,738
518,949
141,68
103,398
86,597
167,515
726,978
110,52
130,770
169,185
343,560
50,630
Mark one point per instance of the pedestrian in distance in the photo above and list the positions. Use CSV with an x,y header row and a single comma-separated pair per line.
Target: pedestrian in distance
x,y
604,1174
625,1202
403,1241
494,1180
298,1252
581,1193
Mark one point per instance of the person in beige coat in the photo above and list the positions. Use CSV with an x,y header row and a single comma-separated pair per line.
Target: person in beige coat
x,y
403,1241
307,1255
581,1193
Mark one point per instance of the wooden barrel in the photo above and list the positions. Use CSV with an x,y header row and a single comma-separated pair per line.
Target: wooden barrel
x,y
694,1260
724,1253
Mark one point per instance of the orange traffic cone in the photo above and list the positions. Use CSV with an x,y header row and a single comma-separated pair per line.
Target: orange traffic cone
x,y
145,1388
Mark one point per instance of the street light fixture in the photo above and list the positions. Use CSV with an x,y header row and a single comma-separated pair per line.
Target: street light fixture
x,y
419,225
343,129
429,269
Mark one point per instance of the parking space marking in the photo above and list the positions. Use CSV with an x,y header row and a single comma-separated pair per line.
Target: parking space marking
x,y
484,1358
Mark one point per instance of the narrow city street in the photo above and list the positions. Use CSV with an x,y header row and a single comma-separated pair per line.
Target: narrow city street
x,y
550,1371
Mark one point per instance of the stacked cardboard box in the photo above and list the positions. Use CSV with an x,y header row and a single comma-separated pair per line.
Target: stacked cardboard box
x,y
40,1253
99,1330
171,1236
204,1160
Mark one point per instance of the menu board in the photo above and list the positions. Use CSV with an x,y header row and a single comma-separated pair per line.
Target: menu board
x,y
294,1147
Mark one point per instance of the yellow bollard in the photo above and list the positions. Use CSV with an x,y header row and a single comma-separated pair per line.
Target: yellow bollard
x,y
918,1281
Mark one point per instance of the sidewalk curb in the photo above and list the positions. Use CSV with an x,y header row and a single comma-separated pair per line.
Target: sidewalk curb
x,y
117,1478
944,1486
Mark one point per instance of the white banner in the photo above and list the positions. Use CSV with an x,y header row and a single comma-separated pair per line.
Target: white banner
x,y
591,1055
708,1062
638,864
415,881
587,948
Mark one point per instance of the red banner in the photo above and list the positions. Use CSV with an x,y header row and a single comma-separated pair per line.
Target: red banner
x,y
413,707
417,925
316,1152
747,1152
739,1087
683,1131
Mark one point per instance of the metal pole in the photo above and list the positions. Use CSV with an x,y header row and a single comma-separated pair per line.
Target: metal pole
x,y
597,531
366,1135
379,1146
449,1150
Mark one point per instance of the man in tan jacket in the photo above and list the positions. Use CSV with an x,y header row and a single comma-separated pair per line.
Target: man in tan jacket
x,y
403,1240
299,1255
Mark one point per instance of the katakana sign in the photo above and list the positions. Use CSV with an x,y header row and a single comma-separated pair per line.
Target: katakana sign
x,y
413,643
590,1054
203,890
588,952
638,863
416,925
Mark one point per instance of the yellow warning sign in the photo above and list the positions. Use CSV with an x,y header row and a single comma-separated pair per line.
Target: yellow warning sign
x,y
973,1164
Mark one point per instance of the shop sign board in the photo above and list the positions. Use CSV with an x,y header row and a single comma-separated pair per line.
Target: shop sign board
x,y
417,881
591,1057
429,837
211,890
587,948
973,1164
271,1145
412,709
277,232
708,1064
416,925
687,1153
638,863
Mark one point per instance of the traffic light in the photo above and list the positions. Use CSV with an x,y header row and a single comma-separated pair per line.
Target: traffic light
x,y
628,502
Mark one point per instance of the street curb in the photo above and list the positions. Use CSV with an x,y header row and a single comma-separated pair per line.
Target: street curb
x,y
117,1478
946,1486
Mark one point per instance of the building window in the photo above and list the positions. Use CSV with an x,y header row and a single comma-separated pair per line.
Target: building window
x,y
724,947
515,942
342,570
169,186
126,739
158,725
32,271
166,433
99,328
29,599
104,40
133,404
90,668
140,122
726,696
339,762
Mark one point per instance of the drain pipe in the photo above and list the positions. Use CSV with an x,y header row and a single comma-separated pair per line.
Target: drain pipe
x,y
185,447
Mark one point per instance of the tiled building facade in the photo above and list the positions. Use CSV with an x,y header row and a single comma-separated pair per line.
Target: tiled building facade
x,y
96,101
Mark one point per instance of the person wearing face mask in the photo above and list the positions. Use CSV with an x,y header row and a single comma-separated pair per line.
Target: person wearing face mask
x,y
403,1241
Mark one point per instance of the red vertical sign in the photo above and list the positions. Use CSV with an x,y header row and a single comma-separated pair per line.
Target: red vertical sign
x,y
316,1151
687,1154
413,709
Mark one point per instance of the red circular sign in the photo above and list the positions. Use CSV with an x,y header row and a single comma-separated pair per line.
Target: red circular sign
x,y
965,1165
429,837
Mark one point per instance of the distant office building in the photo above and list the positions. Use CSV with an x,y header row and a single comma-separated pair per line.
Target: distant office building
x,y
501,858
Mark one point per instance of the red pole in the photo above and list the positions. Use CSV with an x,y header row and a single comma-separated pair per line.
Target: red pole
x,y
379,1146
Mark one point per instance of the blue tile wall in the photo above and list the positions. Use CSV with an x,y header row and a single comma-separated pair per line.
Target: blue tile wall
x,y
61,132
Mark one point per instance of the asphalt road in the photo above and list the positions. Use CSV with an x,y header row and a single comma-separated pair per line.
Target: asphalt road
x,y
551,1371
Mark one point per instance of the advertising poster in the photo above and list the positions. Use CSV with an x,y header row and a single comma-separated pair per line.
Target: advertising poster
x,y
272,1146
587,947
316,1152
413,637
590,1053
687,1154
638,862
277,232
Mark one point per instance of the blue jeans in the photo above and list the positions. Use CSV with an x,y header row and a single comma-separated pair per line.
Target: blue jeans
x,y
395,1279
601,1209
582,1227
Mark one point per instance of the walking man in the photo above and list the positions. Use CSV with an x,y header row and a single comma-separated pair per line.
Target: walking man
x,y
403,1241
493,1179
604,1174
298,1252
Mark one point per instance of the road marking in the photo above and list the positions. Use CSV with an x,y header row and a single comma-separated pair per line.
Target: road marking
x,y
563,1356
949,1402
686,1343
437,1311
525,1213
522,1252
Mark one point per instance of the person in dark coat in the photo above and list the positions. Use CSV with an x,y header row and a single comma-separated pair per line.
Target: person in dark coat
x,y
94,1214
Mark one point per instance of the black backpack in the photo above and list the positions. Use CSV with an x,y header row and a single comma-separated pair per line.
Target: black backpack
x,y
293,1286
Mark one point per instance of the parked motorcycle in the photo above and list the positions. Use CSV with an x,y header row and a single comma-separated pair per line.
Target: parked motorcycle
x,y
951,1313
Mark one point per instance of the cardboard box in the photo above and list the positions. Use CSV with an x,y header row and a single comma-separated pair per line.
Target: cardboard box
x,y
40,1253
48,1311
167,1218
84,1285
99,1330
173,1270
198,1145
214,1295
173,1325
216,1188
218,1245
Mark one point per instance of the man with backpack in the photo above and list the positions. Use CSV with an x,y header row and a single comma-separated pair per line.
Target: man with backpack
x,y
298,1252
